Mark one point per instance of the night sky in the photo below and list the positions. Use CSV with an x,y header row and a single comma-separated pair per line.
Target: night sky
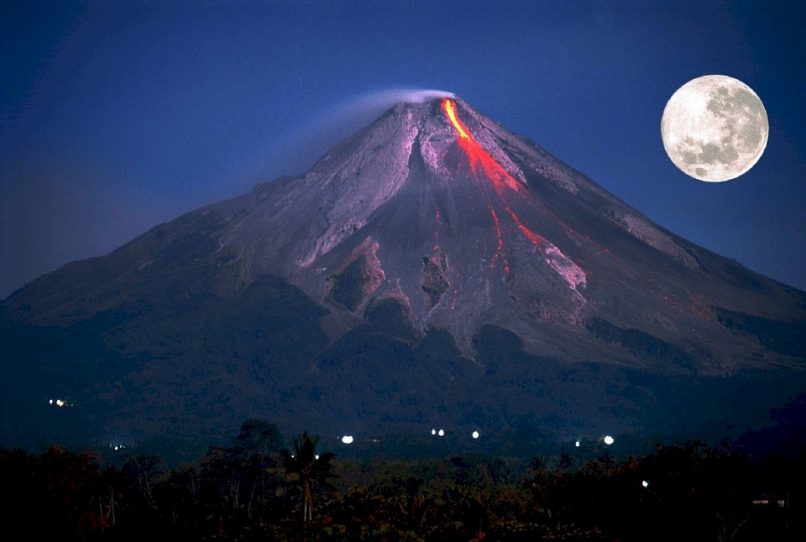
x,y
120,115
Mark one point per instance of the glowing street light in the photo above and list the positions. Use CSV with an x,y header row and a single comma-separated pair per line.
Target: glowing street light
x,y
433,431
475,434
609,440
441,432
577,444
347,439
644,483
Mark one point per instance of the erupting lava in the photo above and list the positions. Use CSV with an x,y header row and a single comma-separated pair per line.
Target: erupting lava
x,y
492,169
482,163
479,158
450,109
499,245
533,238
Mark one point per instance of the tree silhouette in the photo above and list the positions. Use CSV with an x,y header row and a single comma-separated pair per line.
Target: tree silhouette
x,y
679,492
307,471
145,470
257,437
254,453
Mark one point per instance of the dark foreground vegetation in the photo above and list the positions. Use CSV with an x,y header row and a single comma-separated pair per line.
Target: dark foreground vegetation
x,y
255,489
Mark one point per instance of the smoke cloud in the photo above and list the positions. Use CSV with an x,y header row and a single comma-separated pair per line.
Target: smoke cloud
x,y
309,141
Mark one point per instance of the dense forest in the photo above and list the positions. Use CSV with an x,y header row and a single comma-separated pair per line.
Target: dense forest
x,y
257,488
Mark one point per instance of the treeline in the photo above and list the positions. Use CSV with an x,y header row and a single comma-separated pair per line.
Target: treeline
x,y
257,489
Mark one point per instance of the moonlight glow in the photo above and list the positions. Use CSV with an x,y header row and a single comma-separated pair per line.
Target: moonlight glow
x,y
714,128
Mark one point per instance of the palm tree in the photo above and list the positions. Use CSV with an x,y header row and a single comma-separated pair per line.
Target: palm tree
x,y
307,470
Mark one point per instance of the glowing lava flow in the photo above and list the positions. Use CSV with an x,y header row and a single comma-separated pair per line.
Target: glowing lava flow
x,y
450,109
533,238
479,158
499,246
573,275
493,170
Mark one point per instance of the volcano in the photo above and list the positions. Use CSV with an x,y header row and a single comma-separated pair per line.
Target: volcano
x,y
432,269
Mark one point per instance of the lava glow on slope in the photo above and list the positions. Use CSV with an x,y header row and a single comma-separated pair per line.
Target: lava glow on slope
x,y
499,246
479,158
482,163
533,238
450,109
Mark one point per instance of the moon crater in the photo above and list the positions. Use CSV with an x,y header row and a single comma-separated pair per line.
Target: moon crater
x,y
714,128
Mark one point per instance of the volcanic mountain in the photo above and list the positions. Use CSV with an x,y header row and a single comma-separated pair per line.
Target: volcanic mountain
x,y
432,269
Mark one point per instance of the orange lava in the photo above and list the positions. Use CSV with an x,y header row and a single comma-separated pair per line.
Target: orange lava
x,y
533,238
450,109
500,245
499,248
481,162
479,158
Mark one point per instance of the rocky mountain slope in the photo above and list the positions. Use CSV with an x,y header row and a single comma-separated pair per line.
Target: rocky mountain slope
x,y
430,257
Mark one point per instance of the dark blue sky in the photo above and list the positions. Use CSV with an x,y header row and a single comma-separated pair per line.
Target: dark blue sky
x,y
118,115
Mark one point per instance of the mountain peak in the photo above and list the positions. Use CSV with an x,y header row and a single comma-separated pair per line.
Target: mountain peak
x,y
425,260
439,209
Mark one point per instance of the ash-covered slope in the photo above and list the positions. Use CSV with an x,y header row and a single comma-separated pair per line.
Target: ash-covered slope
x,y
433,222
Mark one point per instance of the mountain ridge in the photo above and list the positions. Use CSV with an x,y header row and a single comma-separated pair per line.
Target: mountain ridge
x,y
279,233
428,233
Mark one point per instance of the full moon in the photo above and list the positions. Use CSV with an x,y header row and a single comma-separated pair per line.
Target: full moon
x,y
714,128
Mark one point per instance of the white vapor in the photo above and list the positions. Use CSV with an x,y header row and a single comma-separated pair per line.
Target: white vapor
x,y
307,142
359,111
391,96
